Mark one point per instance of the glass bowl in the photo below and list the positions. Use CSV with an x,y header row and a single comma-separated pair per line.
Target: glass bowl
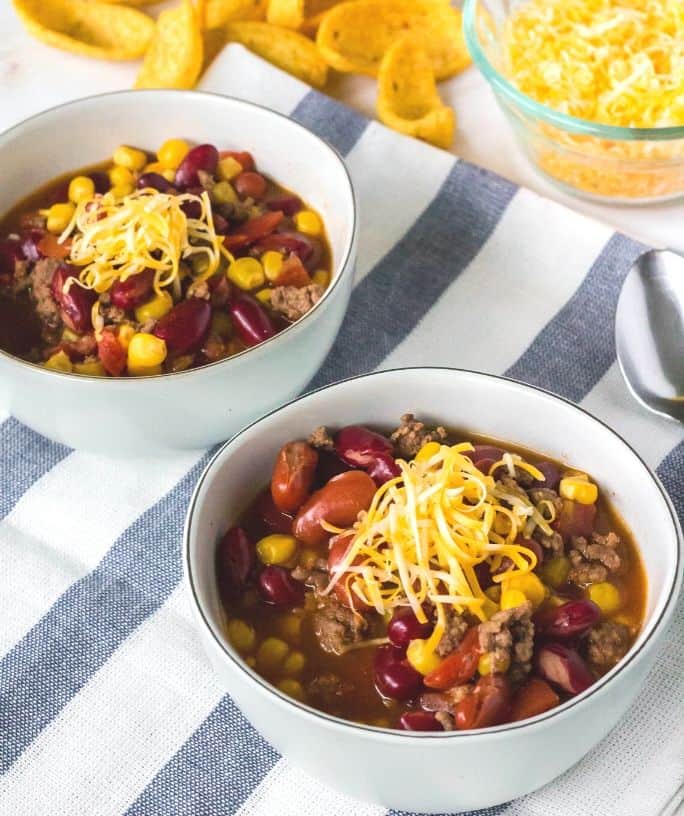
x,y
600,162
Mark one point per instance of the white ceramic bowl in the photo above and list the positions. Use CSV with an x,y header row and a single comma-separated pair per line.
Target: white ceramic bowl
x,y
445,772
190,409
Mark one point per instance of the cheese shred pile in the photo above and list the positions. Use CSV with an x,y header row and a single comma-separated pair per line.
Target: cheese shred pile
x,y
428,529
114,238
618,62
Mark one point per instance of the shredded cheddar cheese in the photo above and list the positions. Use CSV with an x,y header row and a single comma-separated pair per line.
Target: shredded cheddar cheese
x,y
427,530
114,238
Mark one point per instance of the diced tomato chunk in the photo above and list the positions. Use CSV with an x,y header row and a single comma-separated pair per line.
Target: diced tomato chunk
x,y
293,273
575,519
535,697
460,666
112,354
488,704
49,247
253,230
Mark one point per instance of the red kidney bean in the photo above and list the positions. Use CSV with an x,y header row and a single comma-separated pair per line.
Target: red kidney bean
x,y
186,326
575,519
133,291
339,503
288,241
244,158
203,157
383,469
101,181
419,721
76,304
278,588
288,204
484,465
487,705
192,209
484,452
250,185
251,322
535,697
293,475
235,559
405,627
274,519
399,681
569,620
484,575
329,465
386,655
552,474
221,225
563,667
154,180
361,447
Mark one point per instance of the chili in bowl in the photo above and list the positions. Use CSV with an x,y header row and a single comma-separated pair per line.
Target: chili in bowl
x,y
182,287
366,585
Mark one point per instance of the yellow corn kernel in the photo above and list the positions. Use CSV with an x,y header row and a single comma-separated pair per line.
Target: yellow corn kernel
x,y
606,596
121,191
228,168
428,450
144,352
172,153
555,570
90,368
69,335
241,635
154,308
125,335
263,296
224,193
272,261
322,278
59,362
169,175
488,664
246,273
293,688
129,157
578,489
493,593
510,598
81,188
271,654
308,222
221,325
154,167
294,663
251,661
276,548
200,264
502,524
422,656
59,216
290,627
529,585
121,177
380,722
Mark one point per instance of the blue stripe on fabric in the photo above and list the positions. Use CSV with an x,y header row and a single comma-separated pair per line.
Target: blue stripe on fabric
x,y
213,773
490,811
576,348
399,291
58,656
337,124
671,473
26,456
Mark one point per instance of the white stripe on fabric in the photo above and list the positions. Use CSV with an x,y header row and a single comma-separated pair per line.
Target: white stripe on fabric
x,y
133,714
65,523
288,791
654,437
535,259
387,210
240,74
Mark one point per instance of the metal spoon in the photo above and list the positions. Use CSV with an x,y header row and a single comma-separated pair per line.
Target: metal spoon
x,y
649,332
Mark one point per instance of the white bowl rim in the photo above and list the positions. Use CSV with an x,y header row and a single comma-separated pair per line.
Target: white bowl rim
x,y
484,733
344,267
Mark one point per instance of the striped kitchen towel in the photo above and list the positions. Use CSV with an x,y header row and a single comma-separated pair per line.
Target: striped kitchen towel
x,y
107,705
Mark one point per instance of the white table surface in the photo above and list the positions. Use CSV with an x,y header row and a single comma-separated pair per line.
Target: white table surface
x,y
34,77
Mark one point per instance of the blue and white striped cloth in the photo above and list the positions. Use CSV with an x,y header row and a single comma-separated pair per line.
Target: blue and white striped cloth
x,y
107,705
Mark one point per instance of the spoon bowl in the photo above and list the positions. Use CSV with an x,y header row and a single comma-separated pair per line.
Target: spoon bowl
x,y
649,332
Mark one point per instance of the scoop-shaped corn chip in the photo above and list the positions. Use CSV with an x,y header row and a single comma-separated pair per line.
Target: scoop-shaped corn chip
x,y
128,2
219,12
174,59
304,15
93,29
287,49
354,36
407,95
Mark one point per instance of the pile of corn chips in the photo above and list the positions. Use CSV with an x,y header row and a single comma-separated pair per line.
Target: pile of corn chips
x,y
407,44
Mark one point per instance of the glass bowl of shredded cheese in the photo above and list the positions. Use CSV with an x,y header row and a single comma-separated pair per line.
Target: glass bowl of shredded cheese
x,y
594,90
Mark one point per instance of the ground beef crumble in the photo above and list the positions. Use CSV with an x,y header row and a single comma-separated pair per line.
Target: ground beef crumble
x,y
294,302
456,627
540,494
46,306
411,435
553,542
592,561
321,438
608,643
509,635
329,690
